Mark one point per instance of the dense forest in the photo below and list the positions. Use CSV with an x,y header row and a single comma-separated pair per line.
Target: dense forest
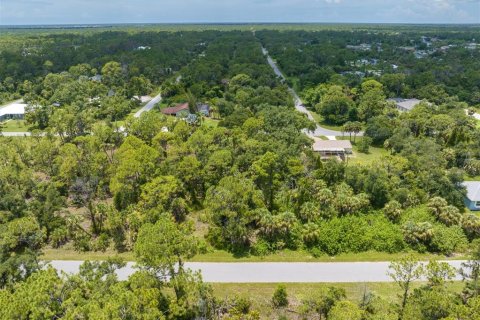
x,y
245,180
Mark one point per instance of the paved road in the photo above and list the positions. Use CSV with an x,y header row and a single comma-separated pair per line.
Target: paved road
x,y
149,106
319,131
15,134
274,272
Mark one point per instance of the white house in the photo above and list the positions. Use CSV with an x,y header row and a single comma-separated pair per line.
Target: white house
x,y
14,110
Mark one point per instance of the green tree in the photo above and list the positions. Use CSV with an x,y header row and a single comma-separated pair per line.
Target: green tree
x,y
159,194
134,164
163,247
20,243
403,273
372,102
112,74
265,172
335,105
364,145
232,204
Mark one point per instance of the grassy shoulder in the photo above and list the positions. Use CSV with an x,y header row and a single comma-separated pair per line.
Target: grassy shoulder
x,y
224,256
261,293
319,119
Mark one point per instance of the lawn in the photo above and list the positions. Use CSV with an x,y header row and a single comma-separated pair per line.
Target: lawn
x,y
209,122
373,155
261,293
15,126
68,253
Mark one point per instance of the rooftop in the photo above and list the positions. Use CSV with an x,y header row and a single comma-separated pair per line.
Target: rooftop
x,y
407,104
473,190
331,145
176,109
16,107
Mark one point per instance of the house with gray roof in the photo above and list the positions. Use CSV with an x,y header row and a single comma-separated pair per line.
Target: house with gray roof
x,y
472,200
405,105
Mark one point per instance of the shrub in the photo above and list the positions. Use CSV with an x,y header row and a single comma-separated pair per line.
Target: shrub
x,y
280,297
358,234
261,248
101,243
243,304
447,240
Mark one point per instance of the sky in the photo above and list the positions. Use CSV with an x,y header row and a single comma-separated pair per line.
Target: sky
x,y
31,12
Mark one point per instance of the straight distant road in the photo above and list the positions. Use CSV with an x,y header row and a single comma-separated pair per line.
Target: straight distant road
x,y
274,272
319,130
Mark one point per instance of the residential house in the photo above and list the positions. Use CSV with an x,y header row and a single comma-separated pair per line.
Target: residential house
x,y
14,110
333,148
180,110
203,109
472,200
404,105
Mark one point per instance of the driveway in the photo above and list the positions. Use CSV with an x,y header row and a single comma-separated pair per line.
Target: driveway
x,y
274,272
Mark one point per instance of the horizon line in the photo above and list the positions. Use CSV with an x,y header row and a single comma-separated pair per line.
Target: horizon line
x,y
241,23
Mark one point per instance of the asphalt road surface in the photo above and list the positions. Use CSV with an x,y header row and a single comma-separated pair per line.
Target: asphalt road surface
x,y
15,134
149,106
319,130
274,272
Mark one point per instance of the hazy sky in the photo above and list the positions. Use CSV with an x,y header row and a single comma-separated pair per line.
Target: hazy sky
x,y
166,11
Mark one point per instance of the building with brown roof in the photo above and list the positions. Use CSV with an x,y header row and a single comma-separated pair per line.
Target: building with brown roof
x,y
173,111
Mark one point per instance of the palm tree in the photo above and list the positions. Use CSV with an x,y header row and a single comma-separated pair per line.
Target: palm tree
x,y
348,127
356,127
310,233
